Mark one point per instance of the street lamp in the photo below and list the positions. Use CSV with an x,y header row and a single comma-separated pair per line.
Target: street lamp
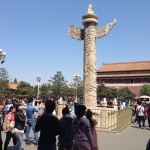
x,y
76,78
38,78
2,56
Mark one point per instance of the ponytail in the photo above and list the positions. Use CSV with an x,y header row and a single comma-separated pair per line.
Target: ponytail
x,y
89,117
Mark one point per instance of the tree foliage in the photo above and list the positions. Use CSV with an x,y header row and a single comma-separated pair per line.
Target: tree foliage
x,y
104,92
4,89
3,74
45,90
58,83
145,90
77,85
125,93
24,89
15,80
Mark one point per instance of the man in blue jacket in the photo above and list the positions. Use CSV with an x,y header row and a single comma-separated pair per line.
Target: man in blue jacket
x,y
30,110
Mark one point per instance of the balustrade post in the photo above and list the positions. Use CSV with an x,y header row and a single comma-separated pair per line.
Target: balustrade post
x,y
104,103
115,104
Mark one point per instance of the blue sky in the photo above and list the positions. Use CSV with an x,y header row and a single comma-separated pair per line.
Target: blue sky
x,y
34,34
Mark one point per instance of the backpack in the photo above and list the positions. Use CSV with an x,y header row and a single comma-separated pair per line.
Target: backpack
x,y
148,111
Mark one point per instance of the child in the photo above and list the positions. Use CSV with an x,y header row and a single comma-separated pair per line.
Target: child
x,y
93,123
66,134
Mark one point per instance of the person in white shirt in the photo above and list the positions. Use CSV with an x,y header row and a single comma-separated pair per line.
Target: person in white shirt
x,y
140,114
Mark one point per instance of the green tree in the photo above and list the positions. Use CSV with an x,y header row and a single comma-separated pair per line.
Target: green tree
x,y
103,91
68,91
45,90
3,74
58,83
145,90
4,89
125,93
15,80
77,85
24,89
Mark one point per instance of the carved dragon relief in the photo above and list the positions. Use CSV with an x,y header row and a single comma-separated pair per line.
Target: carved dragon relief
x,y
90,88
76,32
89,69
100,32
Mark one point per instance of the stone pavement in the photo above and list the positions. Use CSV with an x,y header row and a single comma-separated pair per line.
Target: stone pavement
x,y
131,138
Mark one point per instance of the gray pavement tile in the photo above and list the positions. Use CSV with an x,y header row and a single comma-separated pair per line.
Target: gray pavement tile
x,y
131,138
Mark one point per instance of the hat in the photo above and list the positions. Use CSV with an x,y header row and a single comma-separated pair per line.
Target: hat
x,y
21,107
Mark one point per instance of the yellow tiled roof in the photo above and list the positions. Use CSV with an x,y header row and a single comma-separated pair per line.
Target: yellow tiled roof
x,y
13,85
127,66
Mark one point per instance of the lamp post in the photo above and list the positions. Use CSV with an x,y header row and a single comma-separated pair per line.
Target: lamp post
x,y
2,56
76,78
38,78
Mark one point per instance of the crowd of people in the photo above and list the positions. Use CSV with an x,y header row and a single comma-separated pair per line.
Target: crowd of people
x,y
75,130
141,112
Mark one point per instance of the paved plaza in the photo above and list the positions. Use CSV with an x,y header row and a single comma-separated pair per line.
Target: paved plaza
x,y
130,138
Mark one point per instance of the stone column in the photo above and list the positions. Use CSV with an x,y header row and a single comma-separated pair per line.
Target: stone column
x,y
90,21
89,35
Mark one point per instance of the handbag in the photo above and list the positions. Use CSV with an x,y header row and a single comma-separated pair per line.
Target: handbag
x,y
15,130
12,124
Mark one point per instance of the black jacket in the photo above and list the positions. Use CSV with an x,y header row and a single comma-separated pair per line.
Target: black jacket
x,y
49,127
19,121
66,132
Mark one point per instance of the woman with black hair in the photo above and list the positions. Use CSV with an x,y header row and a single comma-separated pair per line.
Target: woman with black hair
x,y
93,123
82,132
19,126
10,118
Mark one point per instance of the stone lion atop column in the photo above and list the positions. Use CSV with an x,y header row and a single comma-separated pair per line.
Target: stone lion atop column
x,y
90,9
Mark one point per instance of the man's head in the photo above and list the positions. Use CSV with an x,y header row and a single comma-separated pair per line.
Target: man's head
x,y
30,100
71,102
139,102
50,106
65,110
19,101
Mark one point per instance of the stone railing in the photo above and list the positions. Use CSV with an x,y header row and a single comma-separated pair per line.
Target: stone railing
x,y
111,120
108,119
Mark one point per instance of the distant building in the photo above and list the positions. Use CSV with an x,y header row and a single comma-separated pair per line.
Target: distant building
x,y
129,74
12,85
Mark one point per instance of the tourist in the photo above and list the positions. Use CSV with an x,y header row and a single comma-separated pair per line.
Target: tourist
x,y
148,145
66,135
9,104
147,110
41,108
19,126
134,106
93,123
49,127
10,118
72,105
140,114
1,120
127,105
82,132
30,110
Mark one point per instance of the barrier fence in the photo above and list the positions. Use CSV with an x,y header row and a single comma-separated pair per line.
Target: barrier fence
x,y
110,120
